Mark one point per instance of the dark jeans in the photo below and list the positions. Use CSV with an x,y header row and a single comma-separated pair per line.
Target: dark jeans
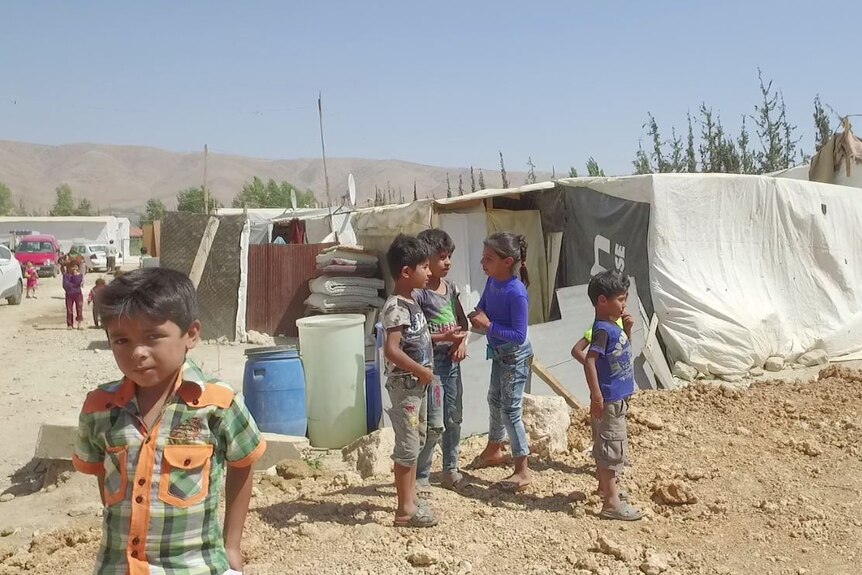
x,y
74,303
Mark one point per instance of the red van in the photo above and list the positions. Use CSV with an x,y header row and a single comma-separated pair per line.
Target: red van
x,y
41,249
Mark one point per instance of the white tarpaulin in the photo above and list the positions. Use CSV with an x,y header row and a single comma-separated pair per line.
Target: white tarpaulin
x,y
746,267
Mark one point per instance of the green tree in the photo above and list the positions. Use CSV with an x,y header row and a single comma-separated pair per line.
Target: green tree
x,y
775,132
690,157
460,185
503,174
531,171
472,180
85,208
573,172
192,200
448,186
415,194
641,162
65,203
481,180
593,168
821,123
154,211
256,194
6,204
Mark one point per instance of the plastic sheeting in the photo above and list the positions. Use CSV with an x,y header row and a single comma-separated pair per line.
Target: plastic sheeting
x,y
744,268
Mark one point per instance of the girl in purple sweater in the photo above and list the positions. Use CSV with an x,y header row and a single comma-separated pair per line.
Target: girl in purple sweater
x,y
73,284
502,313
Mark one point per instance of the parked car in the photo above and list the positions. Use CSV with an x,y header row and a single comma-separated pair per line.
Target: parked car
x,y
11,279
96,256
41,249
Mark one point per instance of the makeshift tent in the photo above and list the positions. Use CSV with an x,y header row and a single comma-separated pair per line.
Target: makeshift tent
x,y
69,229
320,224
737,268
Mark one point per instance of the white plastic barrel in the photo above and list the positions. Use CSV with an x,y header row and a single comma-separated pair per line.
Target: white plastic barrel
x,y
332,348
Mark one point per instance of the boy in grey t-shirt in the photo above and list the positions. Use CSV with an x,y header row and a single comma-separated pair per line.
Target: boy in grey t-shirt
x,y
448,325
409,361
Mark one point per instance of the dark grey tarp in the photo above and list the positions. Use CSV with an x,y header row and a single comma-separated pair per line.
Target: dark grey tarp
x,y
603,232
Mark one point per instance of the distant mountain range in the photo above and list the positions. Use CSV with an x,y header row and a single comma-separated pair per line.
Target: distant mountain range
x,y
120,179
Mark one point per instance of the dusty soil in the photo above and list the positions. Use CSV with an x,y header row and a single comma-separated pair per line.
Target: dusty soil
x,y
764,480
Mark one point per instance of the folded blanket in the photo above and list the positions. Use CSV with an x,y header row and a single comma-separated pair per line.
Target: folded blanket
x,y
338,282
330,303
346,255
355,270
332,286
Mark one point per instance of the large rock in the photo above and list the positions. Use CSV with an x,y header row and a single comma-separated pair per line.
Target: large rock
x,y
372,454
257,338
614,549
547,420
684,371
813,357
774,363
656,563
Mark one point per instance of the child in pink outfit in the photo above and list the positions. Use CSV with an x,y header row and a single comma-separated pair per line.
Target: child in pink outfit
x,y
32,279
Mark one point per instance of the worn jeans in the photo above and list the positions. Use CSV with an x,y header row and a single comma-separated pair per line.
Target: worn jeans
x,y
74,309
408,416
449,373
510,375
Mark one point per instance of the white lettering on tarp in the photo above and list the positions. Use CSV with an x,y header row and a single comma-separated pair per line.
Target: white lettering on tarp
x,y
602,245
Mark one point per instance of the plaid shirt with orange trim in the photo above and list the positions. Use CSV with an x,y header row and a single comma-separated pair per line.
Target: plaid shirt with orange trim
x,y
161,487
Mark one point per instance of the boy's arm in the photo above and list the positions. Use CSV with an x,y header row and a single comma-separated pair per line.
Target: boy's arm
x,y
597,402
238,487
579,352
243,445
394,354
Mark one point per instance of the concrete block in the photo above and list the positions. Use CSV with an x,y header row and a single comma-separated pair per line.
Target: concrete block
x,y
57,440
813,358
280,447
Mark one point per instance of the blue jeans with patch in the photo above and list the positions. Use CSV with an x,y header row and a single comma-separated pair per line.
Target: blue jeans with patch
x,y
449,373
510,376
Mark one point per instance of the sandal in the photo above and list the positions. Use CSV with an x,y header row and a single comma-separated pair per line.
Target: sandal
x,y
479,463
423,517
423,487
455,481
625,512
510,486
624,495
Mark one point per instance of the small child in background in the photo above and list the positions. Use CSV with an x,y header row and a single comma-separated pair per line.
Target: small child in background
x,y
503,314
73,285
449,329
32,279
93,299
610,375
409,359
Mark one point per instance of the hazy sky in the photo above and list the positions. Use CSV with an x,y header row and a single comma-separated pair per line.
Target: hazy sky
x,y
444,83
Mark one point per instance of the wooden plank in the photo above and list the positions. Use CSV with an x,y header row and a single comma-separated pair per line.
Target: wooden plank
x,y
554,383
203,252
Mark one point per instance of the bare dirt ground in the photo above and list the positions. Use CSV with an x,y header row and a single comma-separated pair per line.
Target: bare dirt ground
x,y
765,480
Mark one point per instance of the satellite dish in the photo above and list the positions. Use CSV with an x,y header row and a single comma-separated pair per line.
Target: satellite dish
x,y
293,198
351,189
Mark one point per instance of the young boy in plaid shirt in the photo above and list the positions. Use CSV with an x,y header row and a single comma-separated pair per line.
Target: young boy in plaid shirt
x,y
159,439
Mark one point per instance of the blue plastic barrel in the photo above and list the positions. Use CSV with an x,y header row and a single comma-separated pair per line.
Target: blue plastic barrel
x,y
373,400
274,390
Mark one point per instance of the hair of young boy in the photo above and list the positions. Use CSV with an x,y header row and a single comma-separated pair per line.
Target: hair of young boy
x,y
609,283
406,251
158,294
101,282
439,240
509,245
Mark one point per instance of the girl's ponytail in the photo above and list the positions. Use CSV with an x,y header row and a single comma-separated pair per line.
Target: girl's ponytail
x,y
522,248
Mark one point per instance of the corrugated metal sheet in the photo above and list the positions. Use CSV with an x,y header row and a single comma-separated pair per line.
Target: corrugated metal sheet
x,y
278,277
